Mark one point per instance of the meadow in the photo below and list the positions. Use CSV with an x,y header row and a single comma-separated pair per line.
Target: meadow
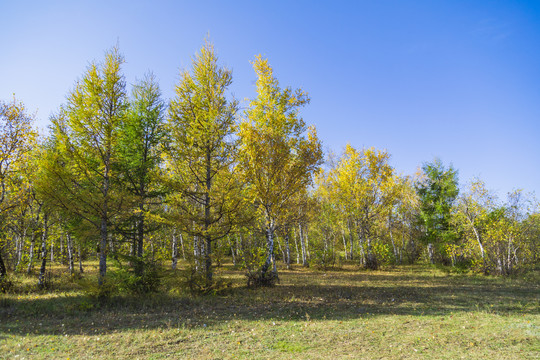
x,y
410,312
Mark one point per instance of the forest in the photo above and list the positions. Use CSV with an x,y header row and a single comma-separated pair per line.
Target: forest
x,y
141,227
127,177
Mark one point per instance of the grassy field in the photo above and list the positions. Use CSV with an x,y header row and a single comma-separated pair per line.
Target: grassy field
x,y
410,312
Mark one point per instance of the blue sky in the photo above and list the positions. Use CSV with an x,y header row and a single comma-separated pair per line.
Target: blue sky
x,y
459,80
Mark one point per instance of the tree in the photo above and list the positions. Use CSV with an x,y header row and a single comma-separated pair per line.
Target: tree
x,y
140,143
277,159
402,219
364,183
437,189
506,236
17,138
473,208
80,164
202,153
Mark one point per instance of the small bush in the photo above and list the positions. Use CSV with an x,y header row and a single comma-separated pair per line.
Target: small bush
x,y
259,279
197,283
6,284
99,293
143,278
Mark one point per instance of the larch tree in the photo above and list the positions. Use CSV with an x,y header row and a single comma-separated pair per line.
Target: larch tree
x,y
201,155
279,154
80,165
140,144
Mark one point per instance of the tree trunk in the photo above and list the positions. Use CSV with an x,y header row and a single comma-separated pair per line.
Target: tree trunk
x,y
112,247
19,243
431,253
69,246
303,244
345,245
103,251
306,236
361,241
287,249
174,250
197,252
139,266
351,240
31,253
208,183
281,249
296,246
41,279
3,271
370,260
208,261
392,239
103,230
182,245
52,250
231,245
81,270
270,230
402,248
509,265
479,240
62,254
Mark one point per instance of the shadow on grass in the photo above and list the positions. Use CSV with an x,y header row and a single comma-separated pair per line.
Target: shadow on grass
x,y
302,295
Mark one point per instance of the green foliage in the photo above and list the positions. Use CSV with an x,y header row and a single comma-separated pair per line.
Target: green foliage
x,y
382,252
252,255
323,259
143,277
6,284
279,154
202,152
121,174
79,168
437,189
141,139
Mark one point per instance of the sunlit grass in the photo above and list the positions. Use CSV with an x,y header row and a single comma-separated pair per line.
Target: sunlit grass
x,y
406,312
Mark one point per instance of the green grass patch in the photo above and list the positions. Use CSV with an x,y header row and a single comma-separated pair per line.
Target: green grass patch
x,y
412,312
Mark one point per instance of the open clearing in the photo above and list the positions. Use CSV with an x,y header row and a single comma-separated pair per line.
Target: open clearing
x,y
411,312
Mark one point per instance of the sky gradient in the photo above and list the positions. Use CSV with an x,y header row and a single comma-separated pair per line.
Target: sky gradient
x,y
458,80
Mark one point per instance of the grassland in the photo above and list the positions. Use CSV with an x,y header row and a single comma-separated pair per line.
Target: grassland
x,y
411,312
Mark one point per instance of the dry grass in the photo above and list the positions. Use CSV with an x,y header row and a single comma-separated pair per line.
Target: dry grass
x,y
413,312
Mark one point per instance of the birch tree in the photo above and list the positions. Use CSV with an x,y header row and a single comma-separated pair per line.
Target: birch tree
x,y
473,208
279,154
17,138
364,183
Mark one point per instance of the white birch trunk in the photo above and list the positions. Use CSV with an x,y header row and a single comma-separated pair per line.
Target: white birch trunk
x,y
174,250
303,245
69,245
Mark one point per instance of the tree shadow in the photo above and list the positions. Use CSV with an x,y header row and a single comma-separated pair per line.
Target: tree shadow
x,y
300,296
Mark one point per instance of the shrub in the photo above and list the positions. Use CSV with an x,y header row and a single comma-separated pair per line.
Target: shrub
x,y
197,283
6,285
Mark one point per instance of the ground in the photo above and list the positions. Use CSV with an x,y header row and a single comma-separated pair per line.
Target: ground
x,y
410,312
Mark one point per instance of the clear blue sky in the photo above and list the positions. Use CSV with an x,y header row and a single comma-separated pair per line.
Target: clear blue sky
x,y
455,79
